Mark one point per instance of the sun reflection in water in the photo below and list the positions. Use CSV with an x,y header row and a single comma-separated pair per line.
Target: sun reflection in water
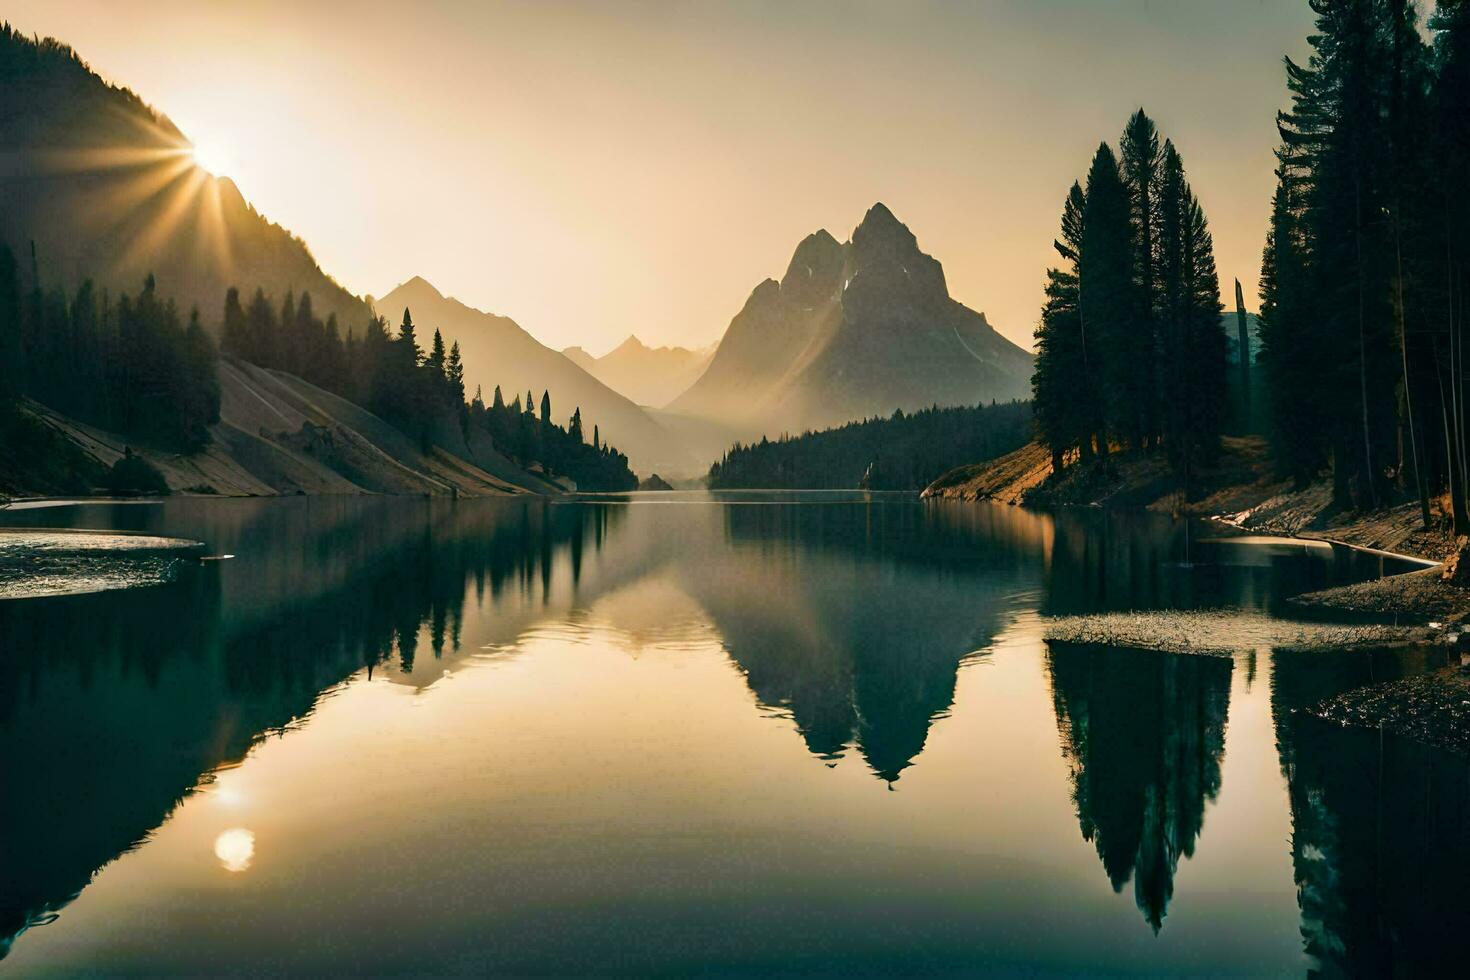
x,y
235,849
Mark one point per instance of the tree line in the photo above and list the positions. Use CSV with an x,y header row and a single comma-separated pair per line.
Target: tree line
x,y
901,452
132,365
128,364
1130,350
1364,272
421,392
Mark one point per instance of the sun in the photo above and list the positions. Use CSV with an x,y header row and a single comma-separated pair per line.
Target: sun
x,y
212,157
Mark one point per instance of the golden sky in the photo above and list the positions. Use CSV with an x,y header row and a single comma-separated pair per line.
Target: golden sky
x,y
600,169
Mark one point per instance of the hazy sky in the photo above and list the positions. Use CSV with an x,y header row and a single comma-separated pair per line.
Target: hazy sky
x,y
596,169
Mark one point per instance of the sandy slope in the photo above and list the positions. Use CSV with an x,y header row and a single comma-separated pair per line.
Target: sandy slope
x,y
281,435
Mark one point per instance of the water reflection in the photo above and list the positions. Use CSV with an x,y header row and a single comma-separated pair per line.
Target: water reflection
x,y
113,705
235,849
861,657
850,621
1143,734
1379,847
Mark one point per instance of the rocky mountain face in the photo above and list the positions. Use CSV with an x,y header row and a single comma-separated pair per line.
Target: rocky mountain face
x,y
852,330
651,376
497,351
106,189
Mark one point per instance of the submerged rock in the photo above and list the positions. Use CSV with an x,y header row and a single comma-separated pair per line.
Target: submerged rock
x,y
1431,708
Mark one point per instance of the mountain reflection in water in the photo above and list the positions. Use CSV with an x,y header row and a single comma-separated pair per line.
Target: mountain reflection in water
x,y
861,627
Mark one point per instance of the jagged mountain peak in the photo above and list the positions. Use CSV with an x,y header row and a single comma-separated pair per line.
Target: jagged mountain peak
x,y
879,220
880,233
815,269
853,330
886,263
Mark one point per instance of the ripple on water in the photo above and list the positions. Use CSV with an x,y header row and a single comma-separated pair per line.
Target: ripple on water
x,y
36,563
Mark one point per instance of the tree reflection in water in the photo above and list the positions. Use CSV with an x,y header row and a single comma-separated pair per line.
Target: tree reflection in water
x,y
1143,734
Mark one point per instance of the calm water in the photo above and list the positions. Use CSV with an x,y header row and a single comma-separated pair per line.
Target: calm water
x,y
797,733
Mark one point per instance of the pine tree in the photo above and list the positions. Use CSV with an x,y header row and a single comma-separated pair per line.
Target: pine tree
x,y
408,342
1141,160
1193,345
1107,299
454,370
1064,396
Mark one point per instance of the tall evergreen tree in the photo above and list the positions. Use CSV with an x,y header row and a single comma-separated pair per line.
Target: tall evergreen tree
x,y
1108,299
1064,389
1141,160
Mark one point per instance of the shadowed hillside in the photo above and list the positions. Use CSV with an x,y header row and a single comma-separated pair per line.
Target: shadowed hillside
x,y
107,189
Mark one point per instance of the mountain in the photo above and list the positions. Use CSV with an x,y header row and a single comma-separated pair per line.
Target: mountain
x,y
107,189
648,375
852,330
497,351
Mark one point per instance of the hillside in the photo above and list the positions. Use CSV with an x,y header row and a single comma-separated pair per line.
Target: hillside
x,y
647,375
106,188
853,330
1240,478
278,434
498,351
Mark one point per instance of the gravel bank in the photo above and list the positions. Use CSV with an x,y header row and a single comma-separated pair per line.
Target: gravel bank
x,y
1221,632
1417,597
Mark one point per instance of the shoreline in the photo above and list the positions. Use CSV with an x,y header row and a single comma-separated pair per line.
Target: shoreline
x,y
1242,497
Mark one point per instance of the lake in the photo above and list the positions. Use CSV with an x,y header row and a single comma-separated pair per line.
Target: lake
x,y
683,733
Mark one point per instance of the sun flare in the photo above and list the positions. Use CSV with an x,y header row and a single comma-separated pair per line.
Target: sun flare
x,y
211,157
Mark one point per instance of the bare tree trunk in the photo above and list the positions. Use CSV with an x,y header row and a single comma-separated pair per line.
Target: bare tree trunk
x,y
1368,475
1245,357
1455,423
1419,485
1452,470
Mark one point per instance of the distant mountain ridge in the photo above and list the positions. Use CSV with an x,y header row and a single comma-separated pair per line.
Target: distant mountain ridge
x,y
853,330
107,190
651,376
499,351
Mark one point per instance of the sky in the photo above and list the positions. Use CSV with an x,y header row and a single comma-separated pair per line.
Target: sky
x,y
600,169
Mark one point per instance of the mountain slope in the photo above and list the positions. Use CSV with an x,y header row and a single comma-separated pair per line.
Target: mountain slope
x,y
497,351
852,330
278,434
106,188
646,375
